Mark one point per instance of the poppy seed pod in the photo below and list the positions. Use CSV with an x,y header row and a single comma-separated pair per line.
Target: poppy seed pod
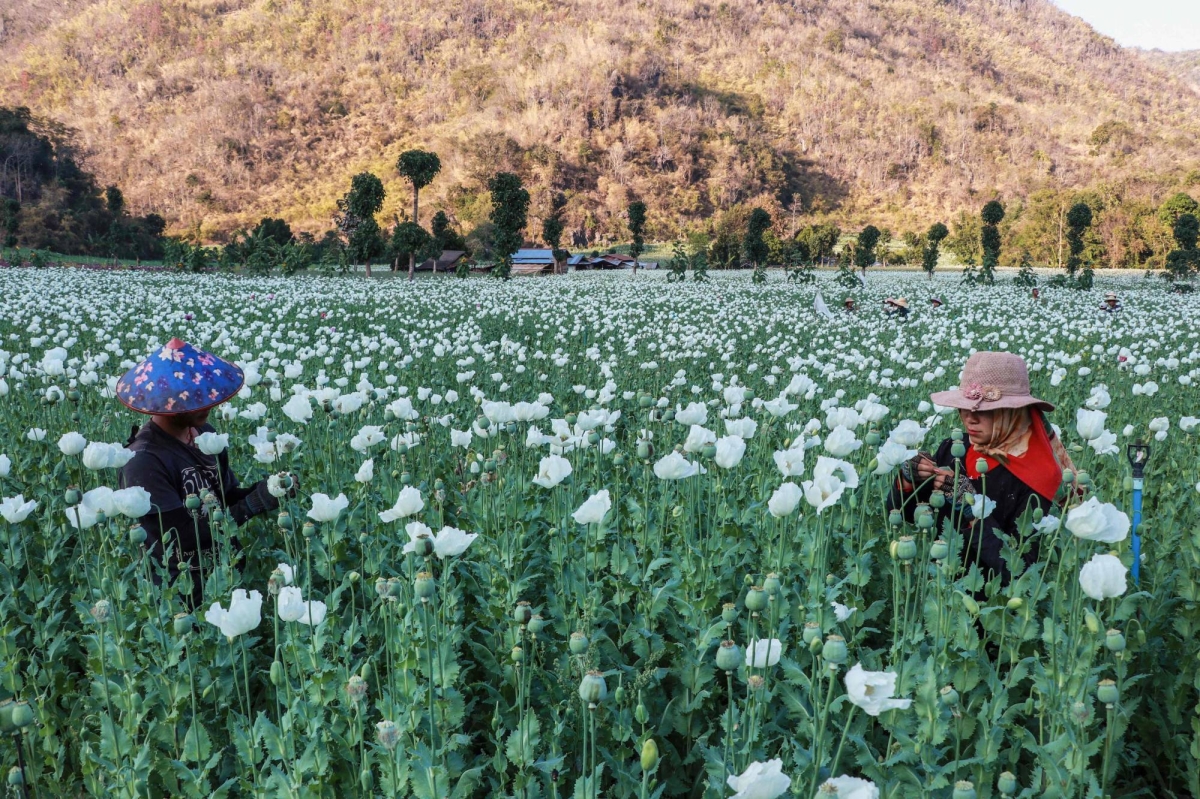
x,y
406,478
906,548
192,502
668,415
957,449
483,423
1083,478
184,622
872,437
22,715
895,518
381,587
592,688
649,755
834,650
71,496
1114,641
536,624
619,459
937,500
1007,783
729,656
137,535
964,790
284,520
1106,692
16,777
517,654
388,734
981,465
729,613
939,549
756,599
644,449
101,611
645,401
423,546
578,643
424,586
755,682
308,529
1068,476
709,451
949,696
522,612
772,585
812,632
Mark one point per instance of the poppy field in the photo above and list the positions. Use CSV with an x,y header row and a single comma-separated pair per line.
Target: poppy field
x,y
594,536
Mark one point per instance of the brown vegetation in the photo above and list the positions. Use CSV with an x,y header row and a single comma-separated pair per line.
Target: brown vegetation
x,y
215,113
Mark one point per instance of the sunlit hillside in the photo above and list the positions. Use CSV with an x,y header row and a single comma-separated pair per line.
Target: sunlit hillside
x,y
216,112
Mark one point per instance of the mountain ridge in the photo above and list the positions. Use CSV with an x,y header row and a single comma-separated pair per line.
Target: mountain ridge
x,y
214,113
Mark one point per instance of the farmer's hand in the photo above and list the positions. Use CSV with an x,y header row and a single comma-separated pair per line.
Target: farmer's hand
x,y
926,470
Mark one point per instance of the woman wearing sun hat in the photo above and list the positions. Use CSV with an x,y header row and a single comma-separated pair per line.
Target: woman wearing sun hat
x,y
177,386
896,305
1006,433
1111,303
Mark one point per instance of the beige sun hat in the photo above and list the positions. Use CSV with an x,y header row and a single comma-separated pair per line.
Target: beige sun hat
x,y
990,381
1112,295
901,301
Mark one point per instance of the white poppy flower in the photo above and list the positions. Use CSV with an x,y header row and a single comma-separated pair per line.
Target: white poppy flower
x,y
552,470
408,503
244,614
764,653
366,472
16,510
593,510
1103,577
325,509
841,612
841,441
845,787
1098,521
730,450
784,500
211,443
71,443
298,409
760,781
873,690
698,437
673,466
451,542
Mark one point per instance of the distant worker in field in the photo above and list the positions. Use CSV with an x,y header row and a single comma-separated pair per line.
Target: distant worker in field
x,y
849,305
935,302
896,306
181,461
1111,303
1010,455
1038,296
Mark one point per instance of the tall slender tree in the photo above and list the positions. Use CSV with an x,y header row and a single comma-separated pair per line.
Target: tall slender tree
x,y
552,230
1079,219
356,218
754,245
989,239
637,226
419,167
933,240
510,207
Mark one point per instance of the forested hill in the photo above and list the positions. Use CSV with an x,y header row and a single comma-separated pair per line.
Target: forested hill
x,y
214,113
1184,65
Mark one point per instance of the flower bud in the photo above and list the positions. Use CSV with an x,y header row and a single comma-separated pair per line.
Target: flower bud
x,y
137,535
1114,641
939,549
278,675
963,790
812,632
1015,603
772,585
184,623
906,548
949,696
1091,622
619,695
729,656
522,612
101,611
649,755
1007,783
729,613
834,651
388,734
592,688
578,643
640,714
957,449
1106,692
970,604
424,586
708,451
756,599
536,624
356,688
366,778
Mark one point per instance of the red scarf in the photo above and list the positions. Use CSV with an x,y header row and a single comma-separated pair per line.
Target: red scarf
x,y
1037,468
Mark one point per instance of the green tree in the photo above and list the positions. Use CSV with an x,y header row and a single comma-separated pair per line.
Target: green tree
x,y
1175,207
410,240
864,248
989,240
934,238
1184,261
679,263
276,230
356,218
637,226
510,206
1079,219
10,220
552,230
419,167
820,240
1025,275
754,245
447,237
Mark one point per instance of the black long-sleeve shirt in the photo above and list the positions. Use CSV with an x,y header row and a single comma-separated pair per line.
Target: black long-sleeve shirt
x,y
170,470
1012,497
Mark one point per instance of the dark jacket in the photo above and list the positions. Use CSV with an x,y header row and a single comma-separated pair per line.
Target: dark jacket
x,y
1012,498
171,470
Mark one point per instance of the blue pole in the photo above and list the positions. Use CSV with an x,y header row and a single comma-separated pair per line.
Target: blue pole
x,y
1137,519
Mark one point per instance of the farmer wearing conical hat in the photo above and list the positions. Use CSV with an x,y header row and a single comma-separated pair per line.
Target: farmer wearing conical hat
x,y
897,306
1008,436
177,386
935,302
1111,303
849,305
